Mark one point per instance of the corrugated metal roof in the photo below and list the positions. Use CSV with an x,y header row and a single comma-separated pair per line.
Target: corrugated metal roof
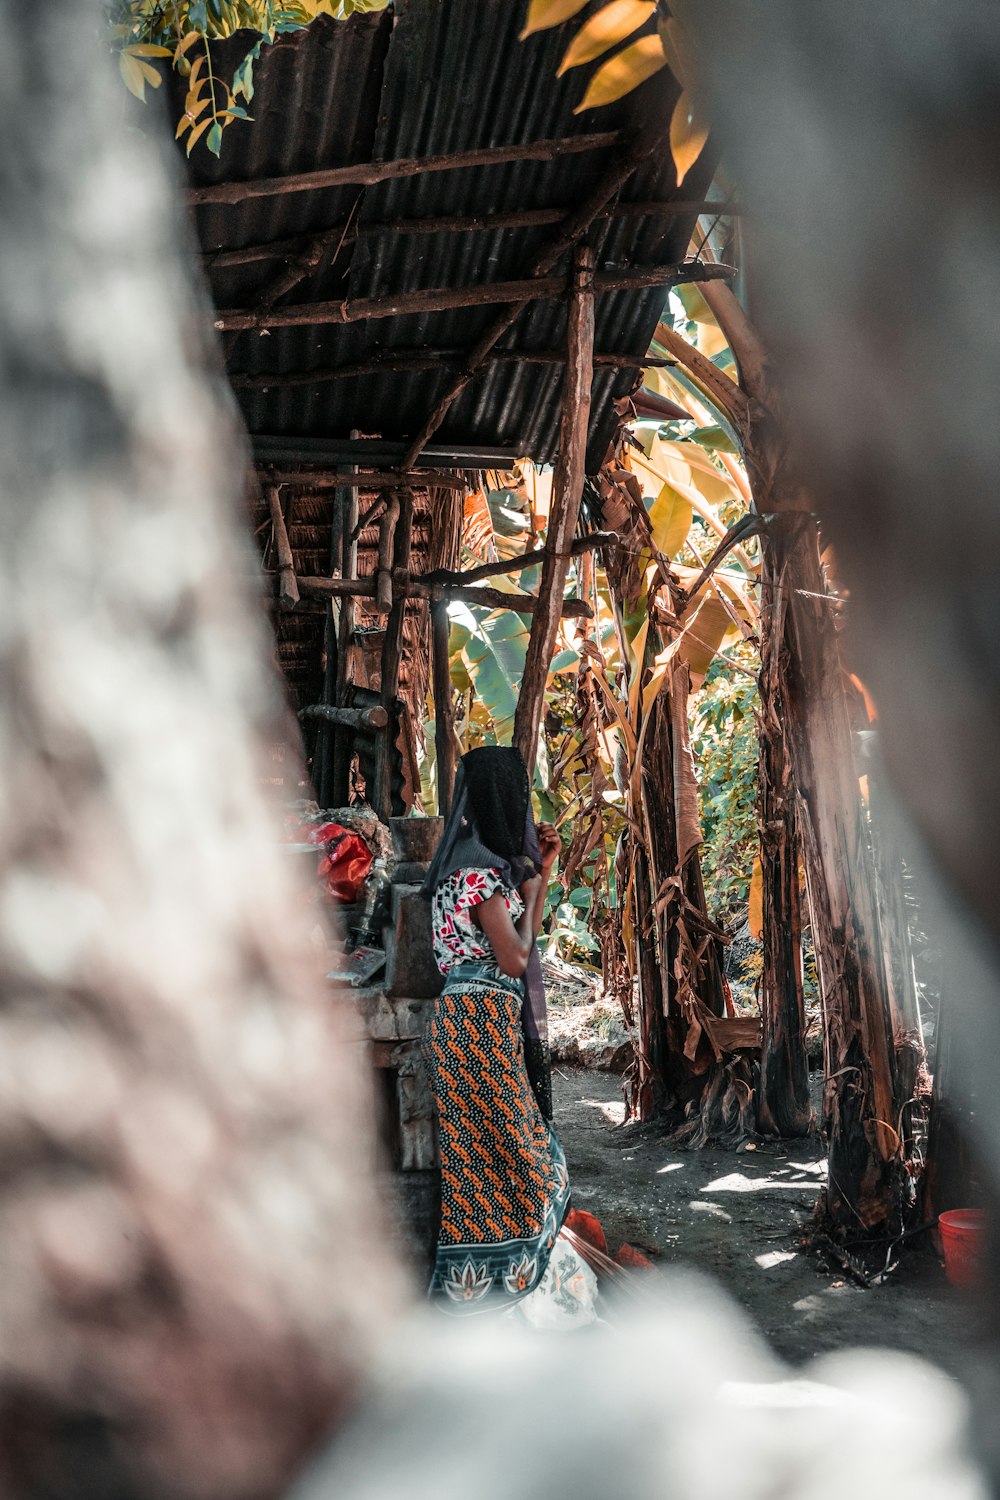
x,y
436,76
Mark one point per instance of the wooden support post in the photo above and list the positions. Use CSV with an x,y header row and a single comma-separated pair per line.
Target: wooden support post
x,y
567,492
386,539
783,1105
392,656
346,500
288,589
444,707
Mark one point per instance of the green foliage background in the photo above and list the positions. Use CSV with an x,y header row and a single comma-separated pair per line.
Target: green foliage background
x,y
724,741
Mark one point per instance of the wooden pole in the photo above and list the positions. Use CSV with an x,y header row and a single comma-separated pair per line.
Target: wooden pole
x,y
348,718
325,479
386,540
367,173
512,294
567,492
581,548
347,502
288,590
392,655
444,707
364,588
431,359
306,252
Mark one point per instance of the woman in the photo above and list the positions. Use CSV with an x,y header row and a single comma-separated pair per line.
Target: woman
x,y
504,1185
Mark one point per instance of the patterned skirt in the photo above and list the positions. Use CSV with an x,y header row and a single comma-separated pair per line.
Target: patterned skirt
x,y
504,1184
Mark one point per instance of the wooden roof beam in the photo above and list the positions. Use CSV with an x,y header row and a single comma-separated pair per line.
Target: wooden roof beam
x,y
513,294
366,174
433,359
306,251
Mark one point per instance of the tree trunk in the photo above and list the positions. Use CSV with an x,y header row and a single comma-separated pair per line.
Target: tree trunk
x,y
192,1258
866,1182
783,1105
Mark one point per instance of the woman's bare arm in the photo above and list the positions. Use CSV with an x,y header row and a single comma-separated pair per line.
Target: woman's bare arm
x,y
512,941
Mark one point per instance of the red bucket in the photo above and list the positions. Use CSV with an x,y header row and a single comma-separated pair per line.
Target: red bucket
x,y
962,1243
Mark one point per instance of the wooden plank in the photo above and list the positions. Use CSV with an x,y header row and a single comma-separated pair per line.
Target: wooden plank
x,y
367,173
567,492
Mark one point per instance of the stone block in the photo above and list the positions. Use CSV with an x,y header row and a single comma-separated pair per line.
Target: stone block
x,y
410,968
389,1018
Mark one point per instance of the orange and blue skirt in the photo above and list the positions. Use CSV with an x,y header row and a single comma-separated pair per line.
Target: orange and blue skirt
x,y
504,1184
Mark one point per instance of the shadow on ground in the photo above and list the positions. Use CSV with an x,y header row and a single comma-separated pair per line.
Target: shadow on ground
x,y
738,1216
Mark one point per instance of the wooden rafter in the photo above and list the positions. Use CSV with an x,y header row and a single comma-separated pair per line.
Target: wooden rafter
x,y
306,251
367,173
439,299
433,359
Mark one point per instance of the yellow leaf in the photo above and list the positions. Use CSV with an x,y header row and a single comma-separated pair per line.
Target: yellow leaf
x,y
147,49
197,133
670,518
706,633
688,134
623,73
132,75
610,26
677,52
152,77
545,13
186,42
755,915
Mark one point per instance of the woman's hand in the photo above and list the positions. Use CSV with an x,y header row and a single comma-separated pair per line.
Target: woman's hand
x,y
528,890
550,845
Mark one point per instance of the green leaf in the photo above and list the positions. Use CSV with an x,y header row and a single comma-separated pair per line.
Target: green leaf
x,y
715,438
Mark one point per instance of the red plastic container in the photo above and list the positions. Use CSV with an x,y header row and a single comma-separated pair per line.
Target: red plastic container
x,y
962,1243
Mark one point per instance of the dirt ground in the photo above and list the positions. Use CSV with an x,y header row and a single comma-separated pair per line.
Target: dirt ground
x,y
739,1216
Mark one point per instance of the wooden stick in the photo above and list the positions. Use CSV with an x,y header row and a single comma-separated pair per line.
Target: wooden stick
x,y
367,173
595,541
308,250
288,590
349,718
567,493
484,598
386,539
347,500
400,531
328,479
439,299
444,707
432,359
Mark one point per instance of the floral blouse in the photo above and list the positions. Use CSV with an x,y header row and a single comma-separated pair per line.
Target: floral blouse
x,y
457,939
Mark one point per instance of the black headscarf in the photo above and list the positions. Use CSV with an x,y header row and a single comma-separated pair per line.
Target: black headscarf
x,y
491,826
